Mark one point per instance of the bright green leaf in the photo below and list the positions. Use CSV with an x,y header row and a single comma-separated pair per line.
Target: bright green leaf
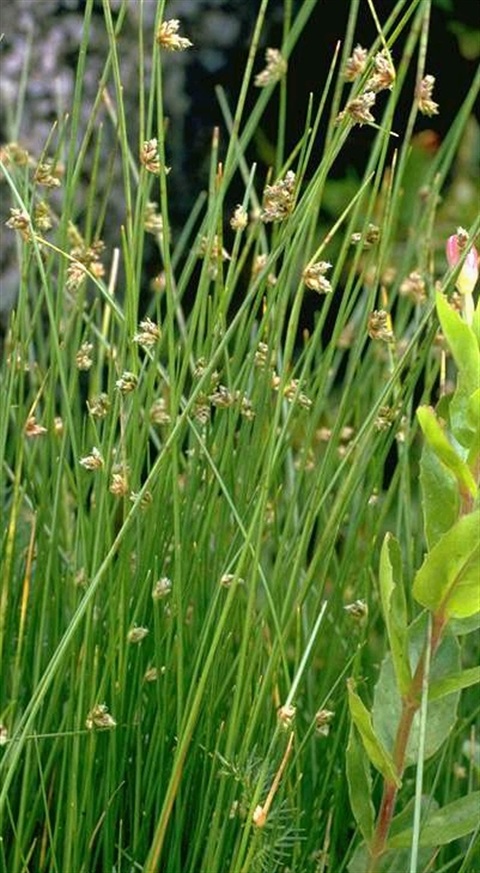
x,y
461,340
393,861
445,686
362,720
442,713
462,626
394,608
451,822
440,497
360,785
438,440
449,578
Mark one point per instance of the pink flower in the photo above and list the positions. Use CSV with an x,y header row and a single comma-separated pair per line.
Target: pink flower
x,y
468,275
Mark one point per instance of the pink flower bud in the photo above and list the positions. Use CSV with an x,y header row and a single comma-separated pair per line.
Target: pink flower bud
x,y
467,278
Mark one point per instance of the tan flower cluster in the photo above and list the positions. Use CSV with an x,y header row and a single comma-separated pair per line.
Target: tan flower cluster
x,y
85,260
42,216
137,634
278,199
276,67
239,219
83,358
215,253
426,105
119,483
159,414
314,277
100,718
383,76
148,335
355,64
358,109
380,326
414,287
167,37
93,461
20,220
152,220
369,238
33,429
48,175
127,382
162,588
99,406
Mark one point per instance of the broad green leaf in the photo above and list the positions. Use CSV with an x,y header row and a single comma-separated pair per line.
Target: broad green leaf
x,y
465,350
445,686
461,340
462,626
393,861
442,713
439,442
463,422
362,720
440,497
404,819
449,578
360,785
451,822
394,609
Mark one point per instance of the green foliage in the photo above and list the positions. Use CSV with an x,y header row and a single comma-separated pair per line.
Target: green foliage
x,y
197,484
418,689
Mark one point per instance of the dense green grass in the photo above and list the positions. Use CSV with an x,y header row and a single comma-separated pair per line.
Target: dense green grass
x,y
247,471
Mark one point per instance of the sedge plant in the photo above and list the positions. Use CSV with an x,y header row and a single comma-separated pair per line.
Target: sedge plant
x,y
209,498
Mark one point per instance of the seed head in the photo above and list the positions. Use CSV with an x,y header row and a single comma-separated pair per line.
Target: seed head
x,y
93,461
355,64
83,358
127,383
358,609
153,221
100,718
276,67
384,75
48,175
358,109
414,287
278,199
20,221
168,39
148,335
323,719
159,413
99,406
137,634
380,326
368,238
239,219
426,105
162,588
286,715
33,429
314,277
119,484
150,158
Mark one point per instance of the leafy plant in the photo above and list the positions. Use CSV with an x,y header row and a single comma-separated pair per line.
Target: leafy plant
x,y
417,692
198,473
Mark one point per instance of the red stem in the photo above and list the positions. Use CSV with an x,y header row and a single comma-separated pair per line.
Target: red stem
x,y
410,704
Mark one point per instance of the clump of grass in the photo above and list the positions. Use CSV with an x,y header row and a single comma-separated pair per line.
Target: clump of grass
x,y
195,489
